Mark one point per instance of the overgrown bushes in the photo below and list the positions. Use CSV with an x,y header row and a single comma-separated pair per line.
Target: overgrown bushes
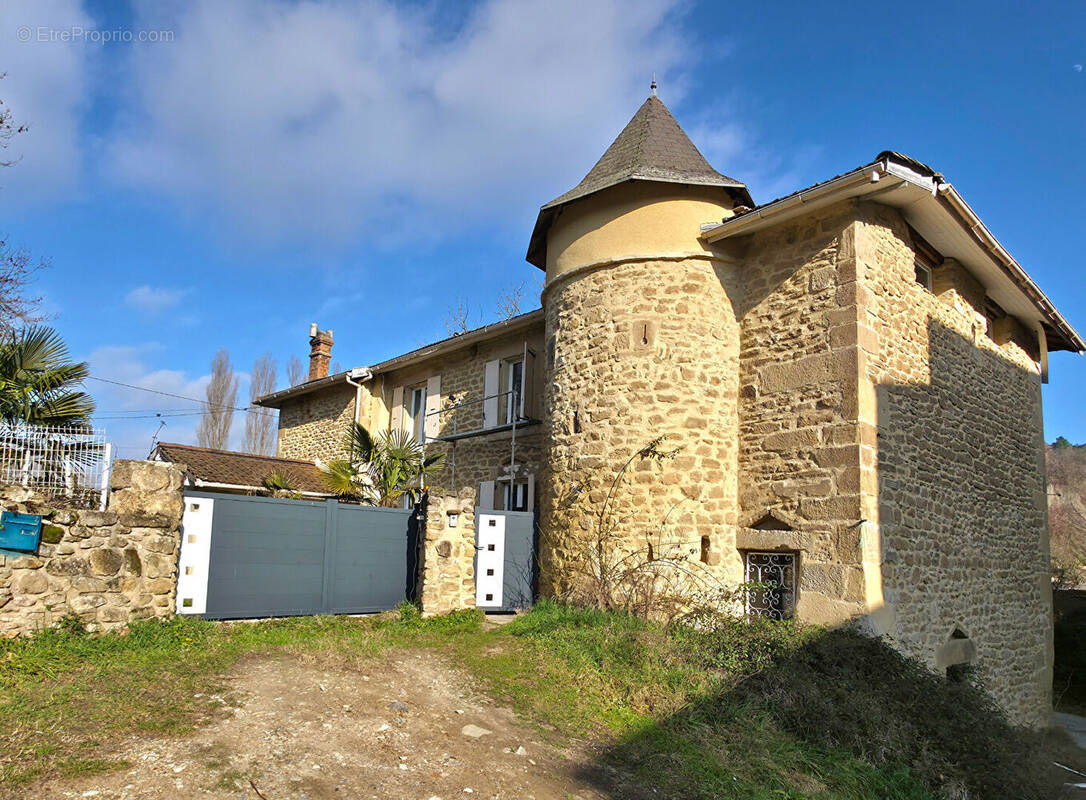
x,y
771,701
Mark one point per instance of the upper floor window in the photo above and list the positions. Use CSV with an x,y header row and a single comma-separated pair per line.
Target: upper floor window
x,y
923,274
514,379
507,390
993,312
416,409
925,259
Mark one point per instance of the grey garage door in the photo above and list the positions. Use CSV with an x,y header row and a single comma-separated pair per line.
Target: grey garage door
x,y
273,557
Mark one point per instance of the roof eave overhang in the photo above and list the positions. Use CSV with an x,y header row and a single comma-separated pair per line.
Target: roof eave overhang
x,y
520,322
506,326
276,399
537,245
928,205
199,483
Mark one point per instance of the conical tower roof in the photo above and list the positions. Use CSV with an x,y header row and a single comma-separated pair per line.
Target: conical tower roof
x,y
652,147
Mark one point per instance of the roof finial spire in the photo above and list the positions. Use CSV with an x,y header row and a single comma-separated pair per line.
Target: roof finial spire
x,y
652,86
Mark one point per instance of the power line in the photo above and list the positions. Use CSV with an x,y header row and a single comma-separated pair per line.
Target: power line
x,y
147,416
171,394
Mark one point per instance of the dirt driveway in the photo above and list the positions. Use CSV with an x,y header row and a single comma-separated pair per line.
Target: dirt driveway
x,y
406,726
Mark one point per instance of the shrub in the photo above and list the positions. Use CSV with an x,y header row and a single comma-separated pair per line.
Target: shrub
x,y
844,690
740,646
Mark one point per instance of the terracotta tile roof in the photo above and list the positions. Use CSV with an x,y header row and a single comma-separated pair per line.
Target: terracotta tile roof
x,y
241,469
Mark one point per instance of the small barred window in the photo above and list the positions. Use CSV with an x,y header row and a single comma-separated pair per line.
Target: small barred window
x,y
771,584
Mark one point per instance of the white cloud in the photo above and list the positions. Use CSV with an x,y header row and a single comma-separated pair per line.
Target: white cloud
x,y
314,121
129,415
153,299
727,145
45,88
1078,67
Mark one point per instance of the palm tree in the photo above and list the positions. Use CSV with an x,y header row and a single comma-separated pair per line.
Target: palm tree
x,y
383,470
38,382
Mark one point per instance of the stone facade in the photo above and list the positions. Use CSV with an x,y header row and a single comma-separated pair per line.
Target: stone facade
x,y
799,434
836,390
958,482
447,553
314,426
636,351
106,567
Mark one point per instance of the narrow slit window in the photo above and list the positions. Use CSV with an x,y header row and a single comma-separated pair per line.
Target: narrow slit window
x,y
704,549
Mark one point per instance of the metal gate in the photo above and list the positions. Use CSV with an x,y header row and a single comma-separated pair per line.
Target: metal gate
x,y
505,546
268,557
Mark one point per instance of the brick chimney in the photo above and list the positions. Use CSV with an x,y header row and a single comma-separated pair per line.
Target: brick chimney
x,y
320,352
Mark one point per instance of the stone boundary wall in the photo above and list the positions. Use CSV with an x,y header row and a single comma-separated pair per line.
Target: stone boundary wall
x,y
106,567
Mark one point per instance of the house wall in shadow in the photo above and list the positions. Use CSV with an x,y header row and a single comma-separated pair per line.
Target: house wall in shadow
x,y
958,540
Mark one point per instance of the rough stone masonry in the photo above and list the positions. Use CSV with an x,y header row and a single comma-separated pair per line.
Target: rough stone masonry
x,y
107,568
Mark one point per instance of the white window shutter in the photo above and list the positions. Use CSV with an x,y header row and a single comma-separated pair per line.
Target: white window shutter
x,y
531,493
397,409
490,391
432,426
486,496
527,392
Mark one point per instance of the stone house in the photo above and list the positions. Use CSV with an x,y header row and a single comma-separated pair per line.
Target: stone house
x,y
852,373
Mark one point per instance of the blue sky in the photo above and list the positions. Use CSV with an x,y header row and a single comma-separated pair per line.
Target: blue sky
x,y
366,165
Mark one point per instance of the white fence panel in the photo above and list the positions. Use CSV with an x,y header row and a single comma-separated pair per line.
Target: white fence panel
x,y
71,462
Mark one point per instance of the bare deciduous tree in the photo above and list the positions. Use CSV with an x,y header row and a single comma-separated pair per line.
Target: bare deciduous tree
x,y
456,321
8,128
295,370
17,305
509,301
259,422
222,394
17,267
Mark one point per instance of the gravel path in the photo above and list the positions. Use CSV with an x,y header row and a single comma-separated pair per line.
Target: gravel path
x,y
407,726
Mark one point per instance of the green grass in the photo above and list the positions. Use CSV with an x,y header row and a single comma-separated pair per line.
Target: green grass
x,y
736,710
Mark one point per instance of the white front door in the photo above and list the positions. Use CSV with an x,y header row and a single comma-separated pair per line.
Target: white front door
x,y
490,560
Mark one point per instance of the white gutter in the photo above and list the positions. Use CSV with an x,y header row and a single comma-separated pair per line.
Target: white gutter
x,y
734,225
199,484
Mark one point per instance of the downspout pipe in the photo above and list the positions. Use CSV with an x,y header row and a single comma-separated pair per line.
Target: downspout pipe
x,y
356,377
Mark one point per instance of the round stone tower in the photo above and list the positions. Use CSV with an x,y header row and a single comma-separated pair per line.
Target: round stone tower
x,y
642,343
